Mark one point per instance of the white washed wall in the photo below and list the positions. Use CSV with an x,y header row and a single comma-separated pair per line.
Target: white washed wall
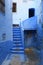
x,y
22,10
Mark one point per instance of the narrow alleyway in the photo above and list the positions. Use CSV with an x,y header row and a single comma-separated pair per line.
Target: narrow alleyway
x,y
30,58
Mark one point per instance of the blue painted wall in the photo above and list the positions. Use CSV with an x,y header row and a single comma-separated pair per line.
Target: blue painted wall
x,y
29,24
6,21
41,32
5,49
2,25
6,28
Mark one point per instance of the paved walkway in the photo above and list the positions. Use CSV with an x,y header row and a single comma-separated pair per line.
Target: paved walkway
x,y
13,60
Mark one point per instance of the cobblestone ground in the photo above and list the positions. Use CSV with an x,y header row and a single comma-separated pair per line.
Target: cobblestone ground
x,y
16,61
30,58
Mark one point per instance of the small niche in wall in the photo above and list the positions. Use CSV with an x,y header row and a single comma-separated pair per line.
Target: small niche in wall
x,y
3,36
2,6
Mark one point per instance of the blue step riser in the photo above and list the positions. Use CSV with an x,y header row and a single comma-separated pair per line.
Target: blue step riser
x,y
17,34
17,52
18,46
16,27
17,42
21,47
16,37
16,30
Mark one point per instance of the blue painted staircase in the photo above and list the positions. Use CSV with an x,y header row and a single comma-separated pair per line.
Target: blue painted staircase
x,y
18,46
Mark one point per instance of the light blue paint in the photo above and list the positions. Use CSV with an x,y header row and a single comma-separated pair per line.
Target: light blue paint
x,y
6,21
8,18
6,27
2,24
29,24
22,10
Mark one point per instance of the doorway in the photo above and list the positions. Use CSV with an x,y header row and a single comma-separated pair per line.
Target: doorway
x,y
29,38
31,12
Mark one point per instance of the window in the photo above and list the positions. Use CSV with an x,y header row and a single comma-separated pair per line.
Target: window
x,y
2,6
31,12
14,7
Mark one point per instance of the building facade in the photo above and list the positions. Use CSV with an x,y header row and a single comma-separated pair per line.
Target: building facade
x,y
21,21
5,28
